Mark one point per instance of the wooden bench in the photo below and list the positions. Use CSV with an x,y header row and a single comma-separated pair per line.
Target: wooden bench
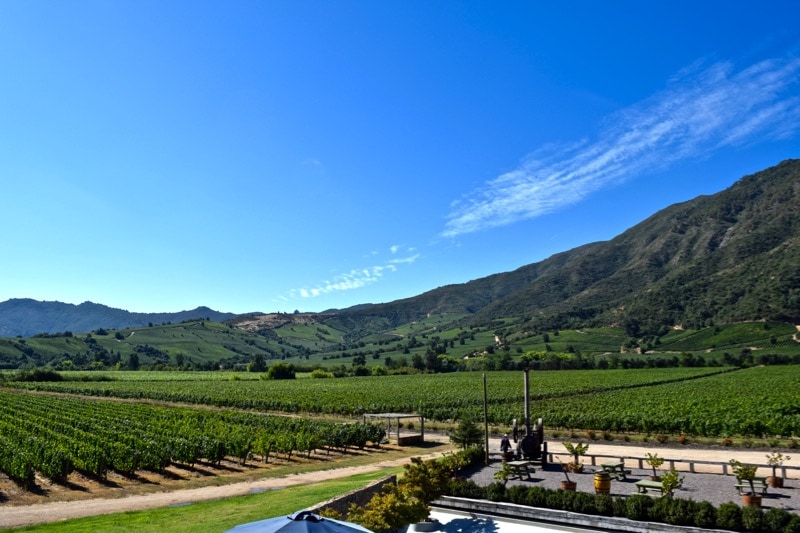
x,y
520,468
759,484
645,484
616,469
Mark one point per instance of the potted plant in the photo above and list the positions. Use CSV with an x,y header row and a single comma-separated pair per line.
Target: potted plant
x,y
776,459
503,474
568,485
654,461
747,473
670,481
576,450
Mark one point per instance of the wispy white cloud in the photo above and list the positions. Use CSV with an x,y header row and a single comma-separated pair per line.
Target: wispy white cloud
x,y
356,278
404,260
704,108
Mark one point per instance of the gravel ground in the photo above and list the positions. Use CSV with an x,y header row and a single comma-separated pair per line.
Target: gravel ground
x,y
714,488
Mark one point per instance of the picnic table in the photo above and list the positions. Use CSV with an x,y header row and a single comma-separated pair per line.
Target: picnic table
x,y
615,469
645,484
520,468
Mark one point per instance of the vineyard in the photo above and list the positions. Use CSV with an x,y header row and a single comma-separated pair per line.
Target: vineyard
x,y
441,397
56,436
695,401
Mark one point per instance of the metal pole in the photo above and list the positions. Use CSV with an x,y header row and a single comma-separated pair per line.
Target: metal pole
x,y
485,423
527,405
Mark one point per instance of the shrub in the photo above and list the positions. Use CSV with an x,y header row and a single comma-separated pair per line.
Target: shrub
x,y
793,526
680,512
555,499
752,518
537,496
729,516
583,502
619,507
496,491
637,507
517,494
281,371
604,504
705,515
776,519
466,489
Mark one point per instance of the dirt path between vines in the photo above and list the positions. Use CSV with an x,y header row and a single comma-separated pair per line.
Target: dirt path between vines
x,y
22,515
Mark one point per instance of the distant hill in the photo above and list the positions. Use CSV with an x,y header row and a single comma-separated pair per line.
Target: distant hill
x,y
26,317
729,257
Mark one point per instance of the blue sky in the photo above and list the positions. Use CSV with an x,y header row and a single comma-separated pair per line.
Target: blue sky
x,y
309,155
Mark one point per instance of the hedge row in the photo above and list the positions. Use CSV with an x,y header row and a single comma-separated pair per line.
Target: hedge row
x,y
674,511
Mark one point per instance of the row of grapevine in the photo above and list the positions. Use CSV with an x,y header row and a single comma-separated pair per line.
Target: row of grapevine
x,y
695,401
55,436
437,396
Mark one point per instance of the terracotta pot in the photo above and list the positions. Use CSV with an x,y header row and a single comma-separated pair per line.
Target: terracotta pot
x,y
569,485
775,482
655,478
751,500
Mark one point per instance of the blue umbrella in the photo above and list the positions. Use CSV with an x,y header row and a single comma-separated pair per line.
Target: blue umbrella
x,y
299,522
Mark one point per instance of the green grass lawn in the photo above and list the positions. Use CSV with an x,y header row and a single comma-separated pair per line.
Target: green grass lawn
x,y
216,515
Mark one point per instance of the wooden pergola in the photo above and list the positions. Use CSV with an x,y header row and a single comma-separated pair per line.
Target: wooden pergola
x,y
394,421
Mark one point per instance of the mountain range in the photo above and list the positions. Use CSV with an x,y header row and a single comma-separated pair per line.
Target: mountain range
x,y
729,257
25,317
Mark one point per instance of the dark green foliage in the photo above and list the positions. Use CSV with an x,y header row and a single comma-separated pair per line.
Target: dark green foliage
x,y
38,375
281,371
537,497
729,516
517,494
705,515
638,506
496,491
604,504
583,502
776,519
752,518
466,488
794,525
467,433
675,511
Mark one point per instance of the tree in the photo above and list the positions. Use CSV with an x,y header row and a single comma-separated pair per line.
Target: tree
x,y
466,434
133,361
389,510
257,364
281,371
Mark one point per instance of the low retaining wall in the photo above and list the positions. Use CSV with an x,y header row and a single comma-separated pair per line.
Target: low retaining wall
x,y
360,497
552,516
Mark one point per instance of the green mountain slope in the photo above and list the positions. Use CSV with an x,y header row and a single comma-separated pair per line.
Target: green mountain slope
x,y
719,259
728,257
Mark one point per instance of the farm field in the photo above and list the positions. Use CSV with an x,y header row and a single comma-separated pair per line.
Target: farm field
x,y
56,436
710,402
441,397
